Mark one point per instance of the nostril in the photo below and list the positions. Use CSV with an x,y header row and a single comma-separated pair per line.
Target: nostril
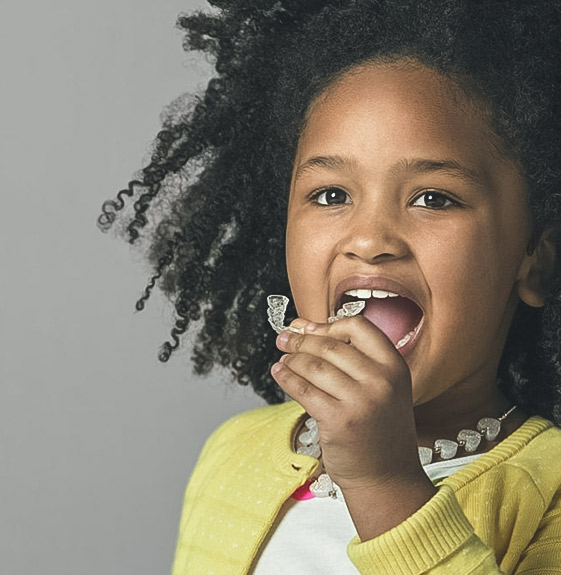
x,y
370,243
376,258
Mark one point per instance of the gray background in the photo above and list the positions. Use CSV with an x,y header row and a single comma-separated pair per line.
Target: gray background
x,y
97,438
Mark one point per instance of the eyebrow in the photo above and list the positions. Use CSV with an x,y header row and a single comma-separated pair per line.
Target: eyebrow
x,y
417,166
448,166
330,163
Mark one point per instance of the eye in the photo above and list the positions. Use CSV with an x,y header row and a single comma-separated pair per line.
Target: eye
x,y
433,200
331,197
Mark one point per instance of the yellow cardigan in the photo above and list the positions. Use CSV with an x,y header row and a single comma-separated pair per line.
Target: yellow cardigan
x,y
499,514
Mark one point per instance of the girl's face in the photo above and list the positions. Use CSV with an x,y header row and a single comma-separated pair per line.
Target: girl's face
x,y
398,186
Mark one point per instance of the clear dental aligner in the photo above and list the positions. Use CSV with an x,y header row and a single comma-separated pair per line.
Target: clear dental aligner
x,y
277,310
348,309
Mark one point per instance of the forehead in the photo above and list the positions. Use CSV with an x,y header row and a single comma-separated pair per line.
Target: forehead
x,y
391,111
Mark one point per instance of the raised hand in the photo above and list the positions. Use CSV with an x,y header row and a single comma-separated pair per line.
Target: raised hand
x,y
352,380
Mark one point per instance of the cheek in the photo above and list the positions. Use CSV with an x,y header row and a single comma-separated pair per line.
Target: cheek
x,y
472,274
297,256
307,265
295,250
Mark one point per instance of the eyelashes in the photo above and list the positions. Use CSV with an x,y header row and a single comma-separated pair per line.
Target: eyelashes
x,y
434,200
330,197
431,199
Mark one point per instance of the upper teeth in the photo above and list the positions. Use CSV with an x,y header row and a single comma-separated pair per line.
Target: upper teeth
x,y
367,293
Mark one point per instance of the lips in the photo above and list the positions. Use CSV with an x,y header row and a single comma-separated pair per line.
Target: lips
x,y
390,306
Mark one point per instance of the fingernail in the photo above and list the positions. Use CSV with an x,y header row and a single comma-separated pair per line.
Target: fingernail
x,y
283,357
283,337
276,368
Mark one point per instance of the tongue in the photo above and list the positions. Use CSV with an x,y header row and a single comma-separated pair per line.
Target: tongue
x,y
395,316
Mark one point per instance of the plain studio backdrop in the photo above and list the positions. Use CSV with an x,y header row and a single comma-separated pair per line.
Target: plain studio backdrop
x,y
97,438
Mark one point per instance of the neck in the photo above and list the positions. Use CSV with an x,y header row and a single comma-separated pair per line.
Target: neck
x,y
461,408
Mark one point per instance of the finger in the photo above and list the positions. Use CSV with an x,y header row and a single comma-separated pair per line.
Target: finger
x,y
314,400
322,374
360,333
356,347
325,355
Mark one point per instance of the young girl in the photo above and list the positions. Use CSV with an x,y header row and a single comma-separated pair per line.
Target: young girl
x,y
405,155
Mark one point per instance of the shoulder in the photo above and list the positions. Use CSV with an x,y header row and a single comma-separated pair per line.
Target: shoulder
x,y
269,416
266,422
528,461
540,456
535,443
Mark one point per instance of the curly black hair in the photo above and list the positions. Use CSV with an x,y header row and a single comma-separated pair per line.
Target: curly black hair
x,y
211,204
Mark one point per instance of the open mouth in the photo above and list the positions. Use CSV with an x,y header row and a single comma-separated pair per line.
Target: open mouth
x,y
397,316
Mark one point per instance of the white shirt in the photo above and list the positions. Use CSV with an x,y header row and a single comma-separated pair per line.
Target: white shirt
x,y
310,537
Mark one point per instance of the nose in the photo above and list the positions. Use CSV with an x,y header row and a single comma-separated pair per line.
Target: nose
x,y
373,235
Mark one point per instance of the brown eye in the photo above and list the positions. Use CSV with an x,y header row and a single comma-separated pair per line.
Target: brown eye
x,y
433,200
332,197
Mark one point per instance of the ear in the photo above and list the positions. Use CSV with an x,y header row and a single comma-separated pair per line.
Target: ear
x,y
538,267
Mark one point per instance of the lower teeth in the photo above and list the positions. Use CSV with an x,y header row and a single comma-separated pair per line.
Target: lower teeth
x,y
351,309
407,338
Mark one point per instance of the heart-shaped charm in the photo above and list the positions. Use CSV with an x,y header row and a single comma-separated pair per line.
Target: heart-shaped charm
x,y
490,426
311,423
309,437
446,448
323,486
311,450
470,439
425,455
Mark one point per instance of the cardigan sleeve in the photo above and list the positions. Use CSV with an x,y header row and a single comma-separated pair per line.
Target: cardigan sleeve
x,y
439,540
543,555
